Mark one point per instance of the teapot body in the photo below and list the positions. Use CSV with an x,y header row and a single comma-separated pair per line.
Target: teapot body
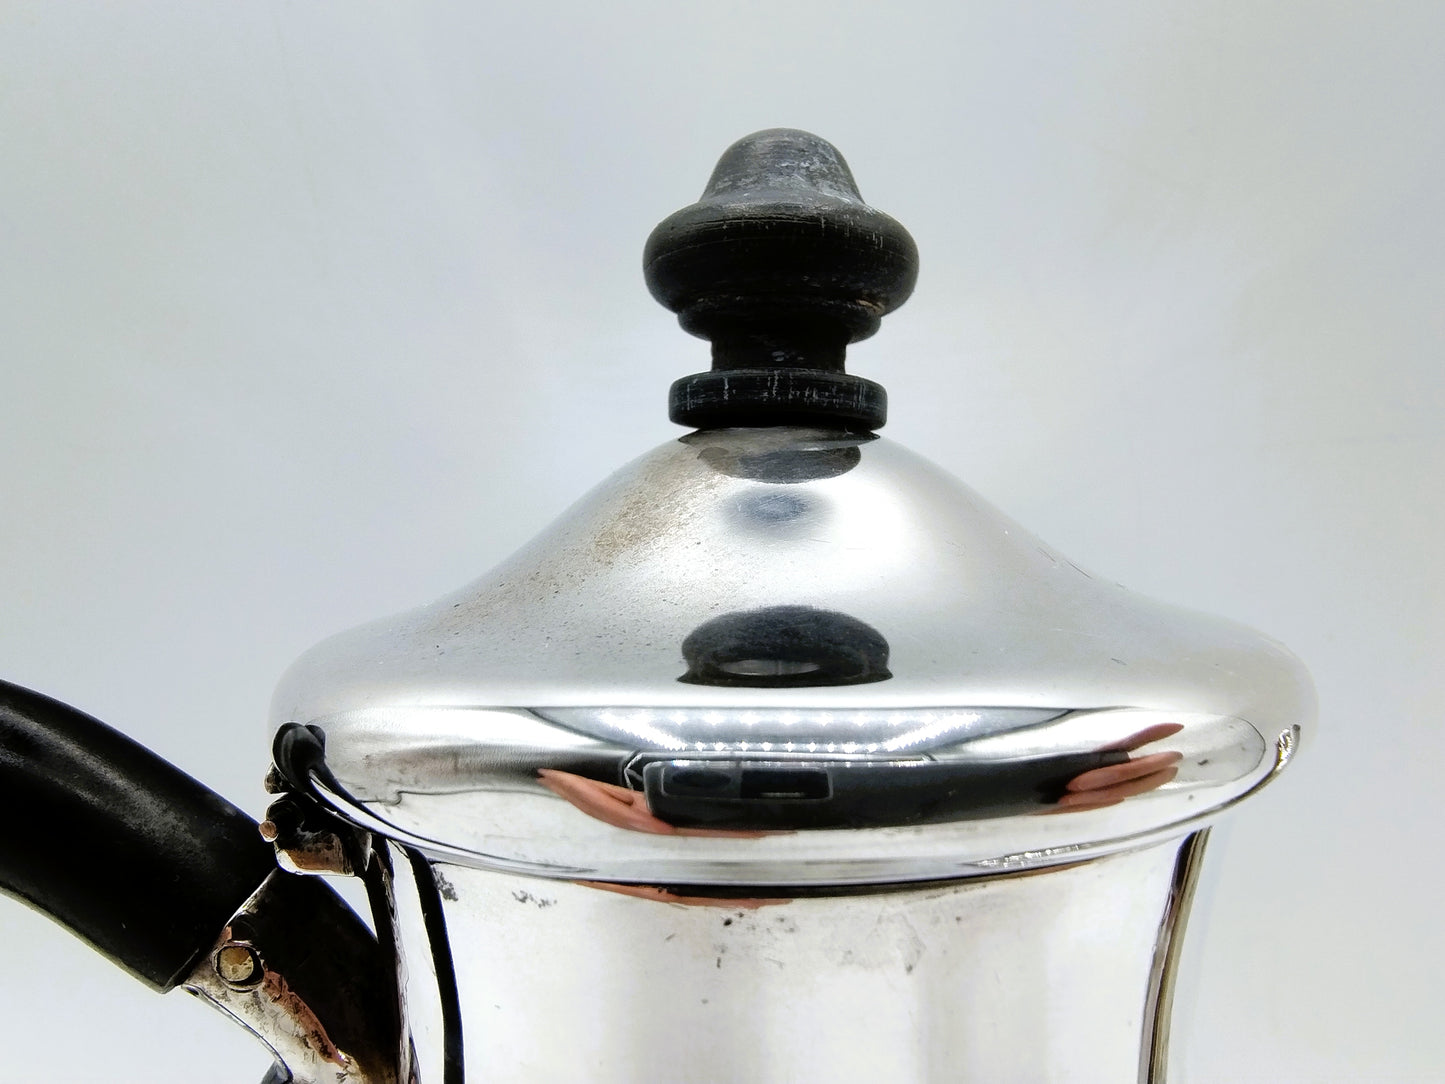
x,y
1056,977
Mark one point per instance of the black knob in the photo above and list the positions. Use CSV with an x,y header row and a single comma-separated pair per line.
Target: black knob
x,y
781,264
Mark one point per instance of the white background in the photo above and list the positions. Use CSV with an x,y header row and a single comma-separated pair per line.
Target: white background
x,y
313,311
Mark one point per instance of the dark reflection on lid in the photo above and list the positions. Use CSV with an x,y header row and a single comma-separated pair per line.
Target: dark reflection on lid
x,y
622,807
783,647
804,461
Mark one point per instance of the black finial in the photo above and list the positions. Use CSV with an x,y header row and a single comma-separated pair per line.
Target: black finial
x,y
781,264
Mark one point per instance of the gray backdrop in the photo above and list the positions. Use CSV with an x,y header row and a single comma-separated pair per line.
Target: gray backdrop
x,y
314,311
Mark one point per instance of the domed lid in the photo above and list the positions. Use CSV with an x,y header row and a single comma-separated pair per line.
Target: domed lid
x,y
782,650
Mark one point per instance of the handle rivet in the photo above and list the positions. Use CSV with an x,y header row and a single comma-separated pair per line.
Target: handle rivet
x,y
239,965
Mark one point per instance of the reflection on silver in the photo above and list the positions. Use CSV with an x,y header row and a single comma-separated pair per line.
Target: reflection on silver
x,y
468,788
826,730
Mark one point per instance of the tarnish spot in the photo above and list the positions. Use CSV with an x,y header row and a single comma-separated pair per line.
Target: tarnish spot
x,y
305,1023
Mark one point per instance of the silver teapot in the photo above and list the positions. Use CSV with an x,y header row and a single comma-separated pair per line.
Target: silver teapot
x,y
781,757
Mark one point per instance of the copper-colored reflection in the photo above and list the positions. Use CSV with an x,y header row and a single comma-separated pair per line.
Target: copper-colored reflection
x,y
666,895
621,807
1110,785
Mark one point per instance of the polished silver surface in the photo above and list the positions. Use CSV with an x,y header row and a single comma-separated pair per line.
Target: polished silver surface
x,y
975,610
791,656
1036,978
1164,977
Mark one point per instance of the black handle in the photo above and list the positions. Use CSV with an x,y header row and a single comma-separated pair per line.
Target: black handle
x,y
115,843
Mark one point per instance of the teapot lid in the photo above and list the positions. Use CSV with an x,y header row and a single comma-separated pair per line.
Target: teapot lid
x,y
781,649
